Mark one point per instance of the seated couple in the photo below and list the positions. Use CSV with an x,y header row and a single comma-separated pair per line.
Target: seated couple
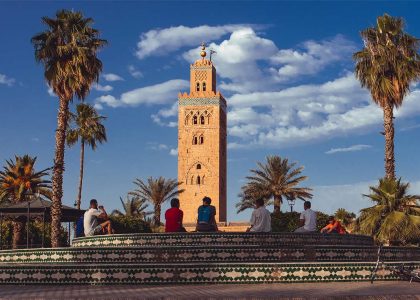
x,y
206,221
96,221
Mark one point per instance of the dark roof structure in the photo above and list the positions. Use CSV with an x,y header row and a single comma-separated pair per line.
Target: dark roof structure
x,y
39,208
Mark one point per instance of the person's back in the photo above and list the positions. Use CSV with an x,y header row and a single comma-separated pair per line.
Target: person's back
x,y
206,216
90,221
307,219
261,218
173,217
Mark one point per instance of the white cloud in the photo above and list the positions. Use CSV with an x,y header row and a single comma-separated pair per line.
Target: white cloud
x,y
112,77
162,93
50,91
6,80
167,40
166,113
102,88
313,57
173,152
35,139
348,149
134,72
157,146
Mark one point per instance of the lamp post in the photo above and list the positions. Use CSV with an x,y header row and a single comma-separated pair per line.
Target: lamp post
x,y
291,203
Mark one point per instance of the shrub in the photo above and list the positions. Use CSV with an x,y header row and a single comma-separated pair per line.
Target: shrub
x,y
130,224
289,221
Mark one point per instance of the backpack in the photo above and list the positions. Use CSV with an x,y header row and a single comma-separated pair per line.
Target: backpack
x,y
204,214
80,230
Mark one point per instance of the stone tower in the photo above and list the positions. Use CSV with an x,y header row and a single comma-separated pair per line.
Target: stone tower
x,y
202,142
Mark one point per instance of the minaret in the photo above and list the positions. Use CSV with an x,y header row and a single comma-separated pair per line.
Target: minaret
x,y
202,142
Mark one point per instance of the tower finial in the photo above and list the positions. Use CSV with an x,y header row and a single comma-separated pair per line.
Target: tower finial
x,y
203,50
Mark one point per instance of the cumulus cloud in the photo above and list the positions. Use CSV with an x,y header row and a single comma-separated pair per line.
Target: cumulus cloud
x,y
112,77
50,91
102,88
162,114
167,40
348,149
162,93
135,72
6,80
173,152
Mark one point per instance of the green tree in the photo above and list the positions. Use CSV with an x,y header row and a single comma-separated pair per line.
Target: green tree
x,y
20,182
157,191
388,63
395,215
85,126
132,206
68,50
344,216
275,180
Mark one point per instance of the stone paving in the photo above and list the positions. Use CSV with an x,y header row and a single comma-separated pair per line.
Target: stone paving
x,y
333,290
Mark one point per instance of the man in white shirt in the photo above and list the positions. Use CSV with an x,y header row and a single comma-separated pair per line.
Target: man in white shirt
x,y
307,219
90,220
261,218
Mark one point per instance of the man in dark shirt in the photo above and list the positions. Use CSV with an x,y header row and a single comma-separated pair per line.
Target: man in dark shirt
x,y
174,217
206,221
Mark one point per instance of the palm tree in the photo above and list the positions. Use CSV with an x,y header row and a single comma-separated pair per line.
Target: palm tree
x,y
395,214
68,50
344,216
156,191
133,207
277,179
20,182
90,131
388,63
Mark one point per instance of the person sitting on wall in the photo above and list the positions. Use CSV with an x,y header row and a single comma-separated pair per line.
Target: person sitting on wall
x,y
261,218
173,217
333,226
90,220
206,221
307,219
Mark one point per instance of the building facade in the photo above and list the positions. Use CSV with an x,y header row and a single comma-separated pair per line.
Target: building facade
x,y
202,142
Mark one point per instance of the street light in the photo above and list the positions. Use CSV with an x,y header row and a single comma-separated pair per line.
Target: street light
x,y
291,203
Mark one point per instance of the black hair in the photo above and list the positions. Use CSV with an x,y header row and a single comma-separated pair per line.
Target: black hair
x,y
331,218
207,200
307,204
175,202
93,201
260,201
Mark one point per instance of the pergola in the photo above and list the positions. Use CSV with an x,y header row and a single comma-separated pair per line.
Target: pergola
x,y
37,209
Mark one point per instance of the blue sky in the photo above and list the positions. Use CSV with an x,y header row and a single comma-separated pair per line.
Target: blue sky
x,y
285,69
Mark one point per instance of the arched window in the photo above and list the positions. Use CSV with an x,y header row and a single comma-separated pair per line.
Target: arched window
x,y
195,140
198,167
198,180
202,121
201,139
197,87
195,120
204,86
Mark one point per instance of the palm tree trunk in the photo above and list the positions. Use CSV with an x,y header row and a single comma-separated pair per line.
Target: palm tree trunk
x,y
57,179
82,159
389,140
277,203
157,214
18,227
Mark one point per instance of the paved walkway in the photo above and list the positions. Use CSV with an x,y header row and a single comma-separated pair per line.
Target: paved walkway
x,y
334,290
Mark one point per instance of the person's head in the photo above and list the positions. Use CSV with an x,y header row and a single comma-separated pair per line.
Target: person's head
x,y
307,205
259,202
94,203
331,219
175,202
206,201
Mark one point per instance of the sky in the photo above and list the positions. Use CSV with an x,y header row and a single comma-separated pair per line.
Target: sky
x,y
285,69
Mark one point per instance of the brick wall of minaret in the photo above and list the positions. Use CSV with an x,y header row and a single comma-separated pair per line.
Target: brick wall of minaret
x,y
202,143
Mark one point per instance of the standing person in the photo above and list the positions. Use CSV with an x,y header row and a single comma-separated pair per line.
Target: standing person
x,y
261,218
173,217
206,221
90,220
307,219
333,226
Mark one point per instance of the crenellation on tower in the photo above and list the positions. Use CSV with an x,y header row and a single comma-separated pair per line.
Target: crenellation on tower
x,y
202,142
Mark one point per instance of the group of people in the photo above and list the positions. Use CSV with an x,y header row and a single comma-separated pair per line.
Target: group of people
x,y
96,220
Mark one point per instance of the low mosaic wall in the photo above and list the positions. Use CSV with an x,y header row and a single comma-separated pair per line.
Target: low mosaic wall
x,y
203,239
213,254
192,273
